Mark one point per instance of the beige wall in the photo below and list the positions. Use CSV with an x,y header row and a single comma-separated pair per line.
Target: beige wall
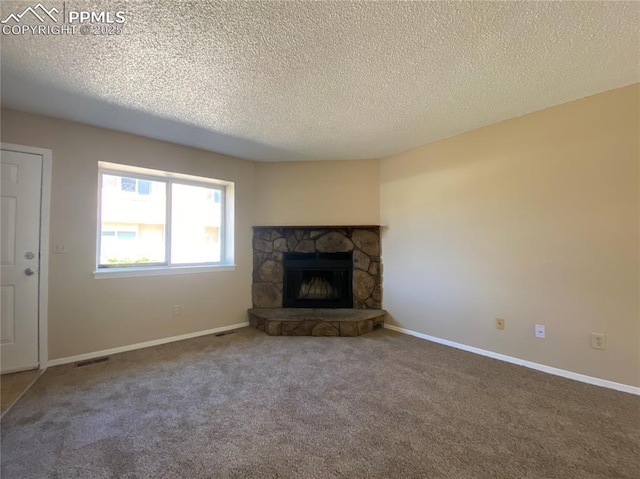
x,y
317,193
536,220
86,314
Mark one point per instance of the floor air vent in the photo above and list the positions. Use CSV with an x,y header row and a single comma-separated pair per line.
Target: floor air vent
x,y
92,361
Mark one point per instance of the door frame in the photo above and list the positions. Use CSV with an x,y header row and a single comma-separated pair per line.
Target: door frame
x,y
43,283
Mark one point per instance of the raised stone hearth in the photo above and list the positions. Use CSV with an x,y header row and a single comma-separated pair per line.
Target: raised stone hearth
x,y
272,243
316,321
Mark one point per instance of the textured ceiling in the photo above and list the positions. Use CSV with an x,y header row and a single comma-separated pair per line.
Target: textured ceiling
x,y
320,80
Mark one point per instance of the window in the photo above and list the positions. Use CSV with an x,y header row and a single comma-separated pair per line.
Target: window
x,y
154,220
127,184
132,185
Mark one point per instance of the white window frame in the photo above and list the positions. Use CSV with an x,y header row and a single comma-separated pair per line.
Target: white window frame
x,y
226,189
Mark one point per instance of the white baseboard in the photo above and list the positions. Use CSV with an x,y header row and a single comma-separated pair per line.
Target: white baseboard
x,y
521,362
146,344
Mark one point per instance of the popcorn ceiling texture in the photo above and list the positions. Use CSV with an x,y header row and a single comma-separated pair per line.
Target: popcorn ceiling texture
x,y
321,80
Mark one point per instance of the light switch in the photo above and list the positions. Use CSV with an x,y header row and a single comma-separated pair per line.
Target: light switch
x,y
59,248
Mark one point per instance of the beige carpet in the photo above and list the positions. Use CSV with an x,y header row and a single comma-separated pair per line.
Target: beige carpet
x,y
383,405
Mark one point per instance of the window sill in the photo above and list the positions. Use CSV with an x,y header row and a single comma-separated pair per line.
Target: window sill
x,y
113,273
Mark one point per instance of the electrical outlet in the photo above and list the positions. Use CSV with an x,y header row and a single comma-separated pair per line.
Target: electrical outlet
x,y
598,341
540,331
177,310
500,323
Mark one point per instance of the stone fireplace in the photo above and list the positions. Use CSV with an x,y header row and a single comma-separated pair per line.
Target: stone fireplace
x,y
317,267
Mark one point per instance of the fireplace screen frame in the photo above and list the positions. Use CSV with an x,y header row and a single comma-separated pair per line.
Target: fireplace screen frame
x,y
337,266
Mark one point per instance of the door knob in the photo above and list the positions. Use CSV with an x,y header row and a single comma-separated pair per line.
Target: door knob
x,y
29,272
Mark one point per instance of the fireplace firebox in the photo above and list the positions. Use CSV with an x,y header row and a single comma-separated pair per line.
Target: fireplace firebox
x,y
318,280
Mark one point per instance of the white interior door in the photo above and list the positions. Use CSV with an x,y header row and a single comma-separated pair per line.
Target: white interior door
x,y
20,192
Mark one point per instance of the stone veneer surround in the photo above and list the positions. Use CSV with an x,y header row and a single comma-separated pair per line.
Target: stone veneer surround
x,y
316,321
271,242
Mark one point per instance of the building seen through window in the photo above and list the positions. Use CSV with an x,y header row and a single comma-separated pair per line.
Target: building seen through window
x,y
159,221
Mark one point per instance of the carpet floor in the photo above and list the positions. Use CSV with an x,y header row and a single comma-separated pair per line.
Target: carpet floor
x,y
383,405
